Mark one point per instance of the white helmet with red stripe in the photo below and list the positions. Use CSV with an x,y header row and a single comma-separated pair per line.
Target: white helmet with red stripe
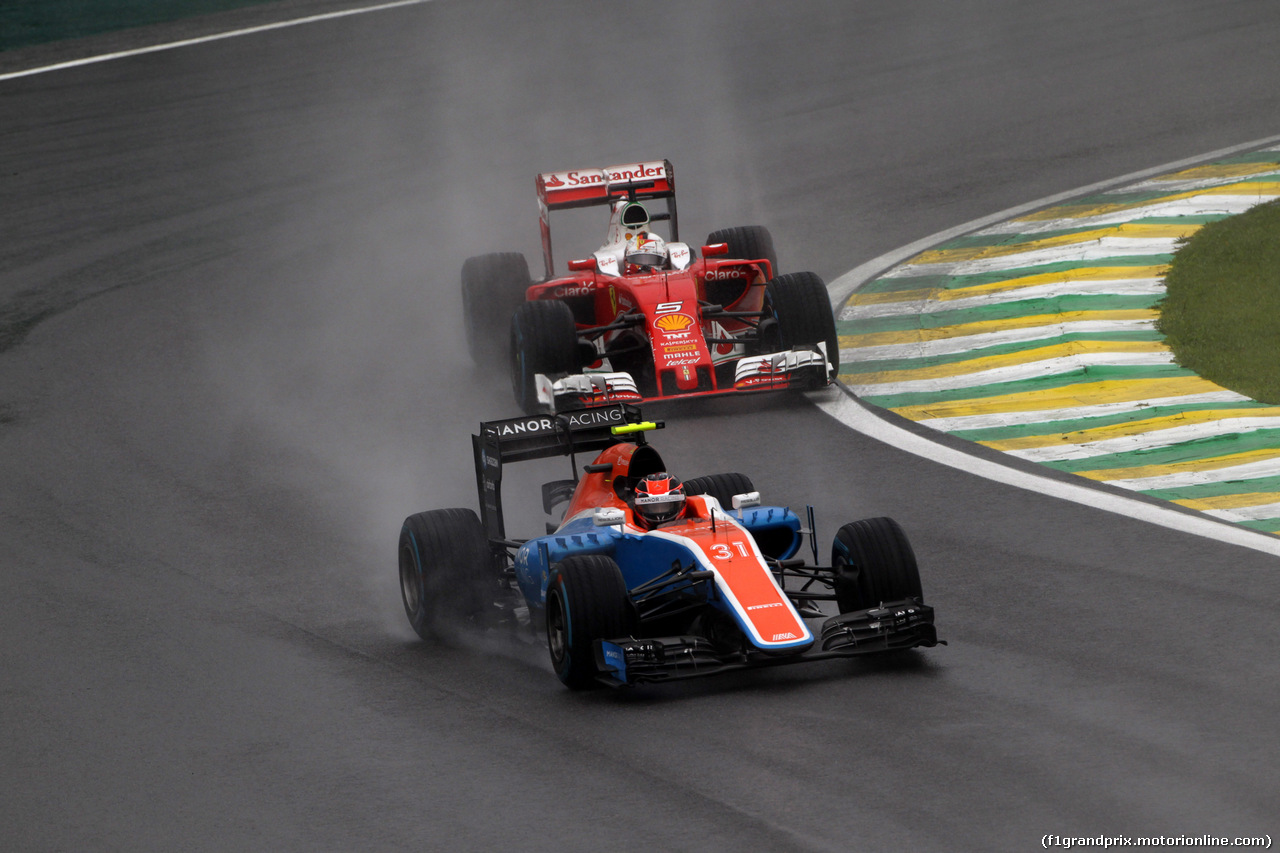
x,y
645,252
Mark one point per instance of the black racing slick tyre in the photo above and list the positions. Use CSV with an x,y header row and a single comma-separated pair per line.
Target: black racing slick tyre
x,y
493,286
800,307
722,487
544,339
873,563
586,601
747,242
445,571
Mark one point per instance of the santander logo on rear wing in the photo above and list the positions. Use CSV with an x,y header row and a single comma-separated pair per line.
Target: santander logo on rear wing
x,y
582,187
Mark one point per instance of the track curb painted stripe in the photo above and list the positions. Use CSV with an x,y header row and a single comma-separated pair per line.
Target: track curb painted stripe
x,y
944,251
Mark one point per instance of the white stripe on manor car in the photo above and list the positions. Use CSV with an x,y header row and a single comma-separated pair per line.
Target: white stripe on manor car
x,y
709,564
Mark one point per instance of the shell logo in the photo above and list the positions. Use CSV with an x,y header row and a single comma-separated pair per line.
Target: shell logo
x,y
673,322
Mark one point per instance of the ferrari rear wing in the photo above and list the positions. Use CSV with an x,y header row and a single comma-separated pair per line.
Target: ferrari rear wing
x,y
538,437
655,179
585,187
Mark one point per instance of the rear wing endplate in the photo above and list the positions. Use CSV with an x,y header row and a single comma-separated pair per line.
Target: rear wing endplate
x,y
538,437
655,179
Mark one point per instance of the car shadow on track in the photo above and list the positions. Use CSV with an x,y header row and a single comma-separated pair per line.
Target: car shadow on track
x,y
519,663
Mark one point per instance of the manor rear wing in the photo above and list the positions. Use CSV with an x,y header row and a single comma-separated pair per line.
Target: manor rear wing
x,y
538,437
655,179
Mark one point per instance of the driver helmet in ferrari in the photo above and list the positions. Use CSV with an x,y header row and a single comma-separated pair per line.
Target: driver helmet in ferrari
x,y
658,498
645,253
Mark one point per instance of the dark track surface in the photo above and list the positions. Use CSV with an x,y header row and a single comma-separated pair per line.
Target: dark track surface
x,y
231,362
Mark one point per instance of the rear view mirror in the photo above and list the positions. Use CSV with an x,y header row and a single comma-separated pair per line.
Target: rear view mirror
x,y
715,249
747,499
609,516
582,264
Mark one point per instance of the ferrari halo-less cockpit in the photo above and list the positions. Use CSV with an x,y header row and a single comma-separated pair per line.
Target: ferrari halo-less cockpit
x,y
646,316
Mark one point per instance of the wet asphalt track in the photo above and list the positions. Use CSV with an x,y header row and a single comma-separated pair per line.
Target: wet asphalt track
x,y
231,363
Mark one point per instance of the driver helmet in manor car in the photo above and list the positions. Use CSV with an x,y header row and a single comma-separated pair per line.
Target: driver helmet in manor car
x,y
658,498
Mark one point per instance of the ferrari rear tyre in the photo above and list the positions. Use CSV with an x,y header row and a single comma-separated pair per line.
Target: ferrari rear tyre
x,y
493,286
722,487
544,339
586,601
445,571
873,563
801,308
748,242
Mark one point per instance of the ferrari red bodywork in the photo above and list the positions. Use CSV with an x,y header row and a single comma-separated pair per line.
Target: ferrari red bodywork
x,y
712,320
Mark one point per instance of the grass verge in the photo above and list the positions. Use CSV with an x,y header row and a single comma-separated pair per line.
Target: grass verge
x,y
1221,311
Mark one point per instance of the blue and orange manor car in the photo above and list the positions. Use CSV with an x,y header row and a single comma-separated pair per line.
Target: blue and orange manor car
x,y
646,316
645,578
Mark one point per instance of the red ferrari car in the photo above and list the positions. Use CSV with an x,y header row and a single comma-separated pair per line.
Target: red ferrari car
x,y
646,316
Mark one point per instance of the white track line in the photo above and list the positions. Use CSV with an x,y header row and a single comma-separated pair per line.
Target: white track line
x,y
959,423
248,31
844,407
972,343
1117,287
1206,205
1020,372
853,414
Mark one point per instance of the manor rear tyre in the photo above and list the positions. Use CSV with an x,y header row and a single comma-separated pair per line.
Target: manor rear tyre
x,y
446,569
